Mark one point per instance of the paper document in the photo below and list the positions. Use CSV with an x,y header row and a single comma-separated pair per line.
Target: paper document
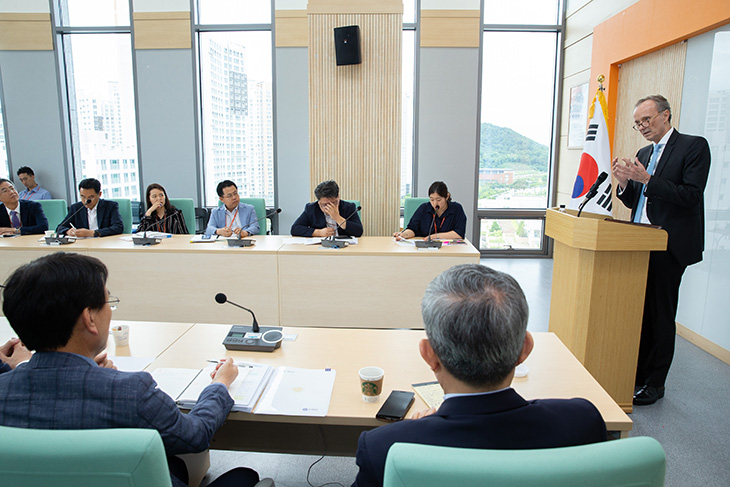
x,y
185,385
298,392
131,364
431,393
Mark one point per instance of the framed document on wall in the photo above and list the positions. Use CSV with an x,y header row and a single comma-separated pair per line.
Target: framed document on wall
x,y
578,116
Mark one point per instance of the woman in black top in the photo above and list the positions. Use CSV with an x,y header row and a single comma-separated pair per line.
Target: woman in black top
x,y
161,216
441,217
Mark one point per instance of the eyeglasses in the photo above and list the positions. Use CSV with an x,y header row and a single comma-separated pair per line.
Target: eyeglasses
x,y
645,123
230,195
8,189
113,302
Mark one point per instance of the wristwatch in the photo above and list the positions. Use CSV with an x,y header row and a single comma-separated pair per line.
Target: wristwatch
x,y
97,233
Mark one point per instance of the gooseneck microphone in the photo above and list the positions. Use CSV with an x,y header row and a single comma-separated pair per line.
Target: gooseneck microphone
x,y
330,241
429,243
69,217
240,242
593,191
221,298
251,338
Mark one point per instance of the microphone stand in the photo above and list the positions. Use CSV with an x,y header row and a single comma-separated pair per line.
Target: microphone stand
x,y
249,242
251,338
430,244
330,242
56,239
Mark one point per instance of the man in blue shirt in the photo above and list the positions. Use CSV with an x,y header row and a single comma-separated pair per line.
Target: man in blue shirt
x,y
33,190
232,217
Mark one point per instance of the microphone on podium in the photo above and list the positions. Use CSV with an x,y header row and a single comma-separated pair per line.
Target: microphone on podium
x,y
250,338
593,191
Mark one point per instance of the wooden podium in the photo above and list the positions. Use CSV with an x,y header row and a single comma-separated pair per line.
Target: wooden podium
x,y
597,301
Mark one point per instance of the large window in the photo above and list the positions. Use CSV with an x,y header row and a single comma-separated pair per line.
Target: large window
x,y
96,44
408,97
234,47
520,44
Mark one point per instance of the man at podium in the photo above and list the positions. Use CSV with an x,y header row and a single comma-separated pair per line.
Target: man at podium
x,y
663,185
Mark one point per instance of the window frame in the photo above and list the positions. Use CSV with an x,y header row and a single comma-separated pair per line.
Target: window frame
x,y
546,247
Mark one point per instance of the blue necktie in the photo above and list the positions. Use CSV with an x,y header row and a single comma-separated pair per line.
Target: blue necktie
x,y
650,170
14,220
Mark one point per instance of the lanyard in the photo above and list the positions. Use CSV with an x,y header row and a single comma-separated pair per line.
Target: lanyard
x,y
232,219
435,229
29,193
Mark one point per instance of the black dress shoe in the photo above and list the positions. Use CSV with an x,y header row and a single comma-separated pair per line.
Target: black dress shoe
x,y
648,395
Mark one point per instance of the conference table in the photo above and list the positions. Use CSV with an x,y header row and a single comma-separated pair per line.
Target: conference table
x,y
553,373
376,283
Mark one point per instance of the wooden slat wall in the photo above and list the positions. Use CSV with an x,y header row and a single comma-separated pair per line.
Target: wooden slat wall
x,y
657,73
450,28
292,28
355,112
26,32
162,30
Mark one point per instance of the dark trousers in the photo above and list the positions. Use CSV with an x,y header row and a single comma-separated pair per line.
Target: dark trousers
x,y
238,477
658,329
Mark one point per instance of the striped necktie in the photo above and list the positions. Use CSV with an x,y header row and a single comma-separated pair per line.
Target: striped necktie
x,y
14,220
650,170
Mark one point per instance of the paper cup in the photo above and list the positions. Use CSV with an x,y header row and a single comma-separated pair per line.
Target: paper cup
x,y
371,383
49,233
121,335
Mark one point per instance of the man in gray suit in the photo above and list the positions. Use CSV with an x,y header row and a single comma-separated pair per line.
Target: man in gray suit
x,y
59,306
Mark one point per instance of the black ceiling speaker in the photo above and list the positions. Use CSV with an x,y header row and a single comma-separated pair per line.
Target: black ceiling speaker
x,y
347,45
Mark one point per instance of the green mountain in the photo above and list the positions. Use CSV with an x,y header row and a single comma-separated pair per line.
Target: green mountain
x,y
501,147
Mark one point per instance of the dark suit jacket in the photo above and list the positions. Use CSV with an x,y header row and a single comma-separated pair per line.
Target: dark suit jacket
x,y
675,194
313,218
32,218
503,420
57,390
108,217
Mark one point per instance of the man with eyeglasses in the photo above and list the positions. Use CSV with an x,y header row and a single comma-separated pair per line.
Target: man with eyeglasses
x,y
232,217
19,217
60,307
663,185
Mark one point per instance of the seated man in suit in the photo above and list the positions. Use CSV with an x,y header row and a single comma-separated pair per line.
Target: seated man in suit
x,y
232,217
60,307
476,327
100,219
321,218
19,217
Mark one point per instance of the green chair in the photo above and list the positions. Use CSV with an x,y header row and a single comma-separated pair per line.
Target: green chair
x,y
55,211
409,208
259,205
82,458
187,206
635,462
357,203
125,209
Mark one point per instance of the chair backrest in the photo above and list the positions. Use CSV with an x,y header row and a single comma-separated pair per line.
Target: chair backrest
x,y
82,458
259,205
409,208
55,211
357,203
187,206
125,210
635,462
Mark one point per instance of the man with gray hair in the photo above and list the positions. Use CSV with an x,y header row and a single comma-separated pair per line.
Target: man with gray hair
x,y
476,327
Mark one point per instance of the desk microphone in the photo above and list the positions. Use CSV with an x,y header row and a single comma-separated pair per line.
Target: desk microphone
x,y
430,244
144,239
330,241
593,191
253,338
240,242
55,239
